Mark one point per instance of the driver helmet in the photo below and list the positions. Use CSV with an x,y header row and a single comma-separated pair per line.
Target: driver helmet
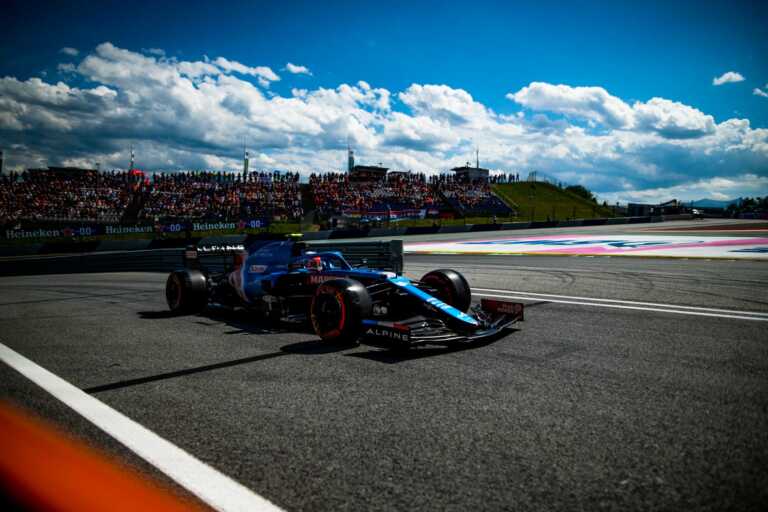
x,y
315,263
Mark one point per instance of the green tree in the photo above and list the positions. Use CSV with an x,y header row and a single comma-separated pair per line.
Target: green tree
x,y
582,191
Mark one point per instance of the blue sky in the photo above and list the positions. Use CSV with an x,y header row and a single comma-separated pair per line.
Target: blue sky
x,y
508,58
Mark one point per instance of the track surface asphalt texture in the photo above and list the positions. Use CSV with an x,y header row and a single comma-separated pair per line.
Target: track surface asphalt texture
x,y
581,408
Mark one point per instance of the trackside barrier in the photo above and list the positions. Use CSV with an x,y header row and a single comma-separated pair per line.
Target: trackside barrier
x,y
317,235
70,247
381,232
158,260
20,250
544,224
422,230
681,216
485,227
454,229
593,222
124,245
516,225
380,255
348,233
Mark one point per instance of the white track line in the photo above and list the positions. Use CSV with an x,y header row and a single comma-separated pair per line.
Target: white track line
x,y
214,488
635,303
619,306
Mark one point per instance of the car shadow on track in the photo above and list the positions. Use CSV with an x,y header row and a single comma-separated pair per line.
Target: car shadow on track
x,y
385,353
240,320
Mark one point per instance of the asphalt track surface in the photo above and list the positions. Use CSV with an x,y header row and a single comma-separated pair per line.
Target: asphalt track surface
x,y
583,407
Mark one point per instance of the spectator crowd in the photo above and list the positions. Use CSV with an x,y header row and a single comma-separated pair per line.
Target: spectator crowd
x,y
218,196
53,195
335,193
110,197
472,197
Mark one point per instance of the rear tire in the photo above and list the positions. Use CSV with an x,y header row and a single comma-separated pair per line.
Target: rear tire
x,y
338,310
186,291
450,287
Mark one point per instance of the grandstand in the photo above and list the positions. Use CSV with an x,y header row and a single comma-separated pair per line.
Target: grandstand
x,y
86,195
470,198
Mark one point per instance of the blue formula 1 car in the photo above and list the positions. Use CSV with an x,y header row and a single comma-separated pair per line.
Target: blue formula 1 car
x,y
290,281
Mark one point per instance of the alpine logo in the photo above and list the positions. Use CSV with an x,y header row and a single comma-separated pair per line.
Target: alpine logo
x,y
317,279
387,333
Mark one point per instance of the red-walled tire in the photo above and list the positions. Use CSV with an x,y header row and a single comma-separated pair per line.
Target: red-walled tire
x,y
186,291
338,309
450,287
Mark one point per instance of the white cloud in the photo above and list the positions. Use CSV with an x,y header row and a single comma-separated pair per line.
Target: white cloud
x,y
194,114
592,103
455,106
263,73
758,92
66,68
154,51
672,119
727,78
719,188
72,52
297,70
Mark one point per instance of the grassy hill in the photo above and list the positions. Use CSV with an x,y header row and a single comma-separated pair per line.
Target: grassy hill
x,y
539,201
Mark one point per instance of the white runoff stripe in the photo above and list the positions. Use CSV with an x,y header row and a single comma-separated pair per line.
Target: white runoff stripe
x,y
736,314
214,488
617,301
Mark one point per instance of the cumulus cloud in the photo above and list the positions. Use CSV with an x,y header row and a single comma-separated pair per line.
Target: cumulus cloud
x,y
759,92
455,106
72,52
263,73
66,68
592,103
195,114
672,119
727,78
719,188
297,70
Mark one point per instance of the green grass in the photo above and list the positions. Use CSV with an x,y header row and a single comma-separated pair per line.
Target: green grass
x,y
540,201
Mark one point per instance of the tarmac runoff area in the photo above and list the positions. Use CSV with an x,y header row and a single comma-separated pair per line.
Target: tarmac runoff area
x,y
634,383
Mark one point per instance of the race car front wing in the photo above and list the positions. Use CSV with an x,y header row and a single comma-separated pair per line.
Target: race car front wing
x,y
493,316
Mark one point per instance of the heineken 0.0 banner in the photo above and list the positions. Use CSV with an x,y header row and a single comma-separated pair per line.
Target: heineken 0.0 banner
x,y
89,230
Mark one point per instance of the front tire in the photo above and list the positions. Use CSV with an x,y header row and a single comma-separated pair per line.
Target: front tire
x,y
450,287
186,291
338,310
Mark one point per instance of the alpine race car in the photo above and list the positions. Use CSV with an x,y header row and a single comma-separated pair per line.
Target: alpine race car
x,y
290,281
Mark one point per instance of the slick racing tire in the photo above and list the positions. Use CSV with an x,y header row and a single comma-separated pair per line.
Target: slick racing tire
x,y
338,310
450,287
186,291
